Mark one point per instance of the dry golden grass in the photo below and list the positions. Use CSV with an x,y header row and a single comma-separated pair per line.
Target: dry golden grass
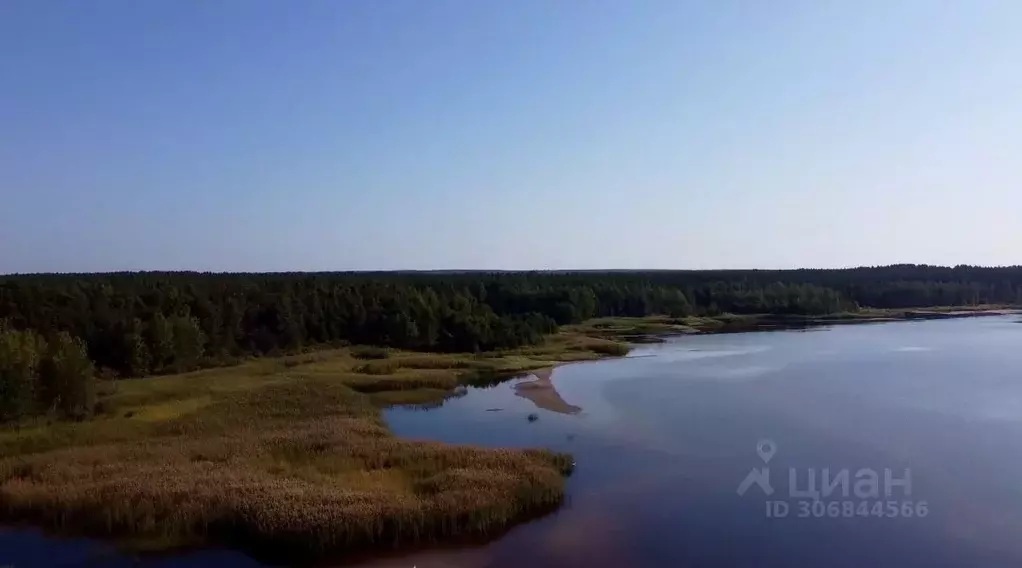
x,y
288,455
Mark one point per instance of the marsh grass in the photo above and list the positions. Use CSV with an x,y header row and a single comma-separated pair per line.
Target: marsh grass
x,y
610,348
289,456
385,367
651,328
370,353
640,329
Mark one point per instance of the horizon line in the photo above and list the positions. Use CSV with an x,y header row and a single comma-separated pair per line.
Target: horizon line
x,y
507,270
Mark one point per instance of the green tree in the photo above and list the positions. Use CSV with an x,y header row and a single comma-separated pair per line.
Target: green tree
x,y
289,325
66,377
20,355
675,303
161,342
189,342
139,360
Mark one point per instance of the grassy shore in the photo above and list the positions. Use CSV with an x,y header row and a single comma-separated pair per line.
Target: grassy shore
x,y
652,328
287,455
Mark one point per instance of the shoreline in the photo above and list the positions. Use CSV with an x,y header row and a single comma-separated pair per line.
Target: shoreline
x,y
652,329
542,391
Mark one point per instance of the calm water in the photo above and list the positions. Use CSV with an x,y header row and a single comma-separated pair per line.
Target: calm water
x,y
665,437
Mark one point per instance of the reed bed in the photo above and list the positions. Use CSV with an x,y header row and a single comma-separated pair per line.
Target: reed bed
x,y
287,458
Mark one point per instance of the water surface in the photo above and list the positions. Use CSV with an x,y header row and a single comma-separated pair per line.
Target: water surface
x,y
665,437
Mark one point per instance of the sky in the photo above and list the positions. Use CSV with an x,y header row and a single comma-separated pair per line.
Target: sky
x,y
273,135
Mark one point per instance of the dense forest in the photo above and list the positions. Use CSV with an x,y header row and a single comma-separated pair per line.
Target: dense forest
x,y
136,324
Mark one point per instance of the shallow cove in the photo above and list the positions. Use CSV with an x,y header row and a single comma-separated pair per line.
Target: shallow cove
x,y
663,438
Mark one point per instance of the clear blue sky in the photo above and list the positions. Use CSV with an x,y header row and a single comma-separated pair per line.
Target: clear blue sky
x,y
390,134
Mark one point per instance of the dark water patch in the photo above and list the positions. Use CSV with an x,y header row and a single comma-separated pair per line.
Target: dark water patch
x,y
32,548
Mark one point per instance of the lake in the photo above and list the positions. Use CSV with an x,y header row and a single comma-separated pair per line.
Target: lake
x,y
895,444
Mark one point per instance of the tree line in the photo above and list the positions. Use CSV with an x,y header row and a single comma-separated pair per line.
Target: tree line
x,y
137,324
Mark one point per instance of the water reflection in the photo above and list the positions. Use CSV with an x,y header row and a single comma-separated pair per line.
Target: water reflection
x,y
542,392
31,548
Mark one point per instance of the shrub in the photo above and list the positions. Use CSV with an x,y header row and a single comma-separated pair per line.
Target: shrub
x,y
370,353
378,368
